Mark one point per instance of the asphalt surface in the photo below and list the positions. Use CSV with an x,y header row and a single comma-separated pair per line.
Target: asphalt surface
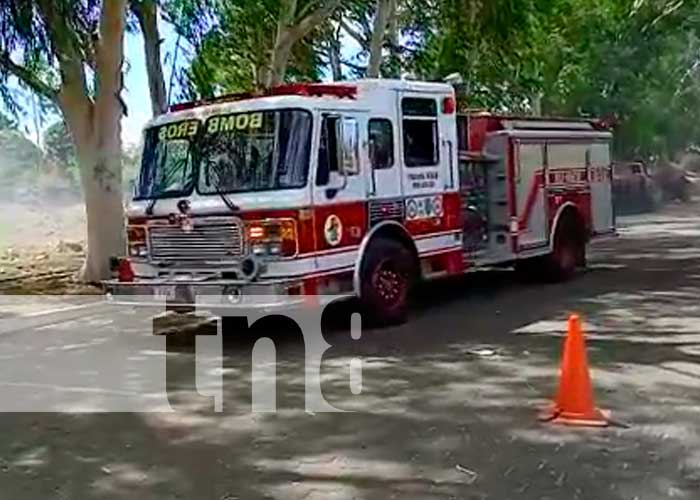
x,y
447,409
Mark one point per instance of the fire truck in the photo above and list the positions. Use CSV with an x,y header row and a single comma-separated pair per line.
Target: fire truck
x,y
360,189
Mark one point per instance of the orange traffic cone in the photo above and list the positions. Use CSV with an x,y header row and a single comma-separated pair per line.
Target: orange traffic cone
x,y
574,401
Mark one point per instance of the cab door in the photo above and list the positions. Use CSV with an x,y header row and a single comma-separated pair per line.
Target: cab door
x,y
425,156
340,186
428,153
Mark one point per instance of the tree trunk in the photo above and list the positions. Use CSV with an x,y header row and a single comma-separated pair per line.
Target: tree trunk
x,y
280,56
96,130
94,121
334,57
147,14
100,173
289,31
394,55
381,20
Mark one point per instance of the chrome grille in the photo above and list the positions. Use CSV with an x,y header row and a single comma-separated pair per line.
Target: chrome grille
x,y
211,239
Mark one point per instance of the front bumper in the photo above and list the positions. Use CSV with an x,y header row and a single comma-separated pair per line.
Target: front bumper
x,y
211,294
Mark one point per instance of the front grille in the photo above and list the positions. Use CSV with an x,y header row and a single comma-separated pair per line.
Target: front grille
x,y
211,239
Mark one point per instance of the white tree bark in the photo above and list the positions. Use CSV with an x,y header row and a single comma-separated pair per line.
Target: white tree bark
x,y
146,12
94,122
293,25
100,160
384,12
334,58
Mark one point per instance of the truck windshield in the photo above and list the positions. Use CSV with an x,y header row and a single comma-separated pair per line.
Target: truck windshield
x,y
168,164
255,151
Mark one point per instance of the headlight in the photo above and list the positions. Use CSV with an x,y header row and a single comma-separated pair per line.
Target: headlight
x,y
272,238
138,250
136,238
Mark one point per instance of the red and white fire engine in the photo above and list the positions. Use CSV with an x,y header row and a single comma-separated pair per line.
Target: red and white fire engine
x,y
357,189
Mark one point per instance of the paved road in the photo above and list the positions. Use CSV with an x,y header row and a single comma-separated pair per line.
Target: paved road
x,y
448,400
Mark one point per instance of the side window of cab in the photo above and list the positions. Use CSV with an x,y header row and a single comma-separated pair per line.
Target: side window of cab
x,y
381,143
420,132
338,151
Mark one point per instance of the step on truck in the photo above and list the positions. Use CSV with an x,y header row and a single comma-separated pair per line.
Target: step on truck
x,y
360,189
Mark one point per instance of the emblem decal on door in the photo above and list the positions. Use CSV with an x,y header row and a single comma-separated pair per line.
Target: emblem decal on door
x,y
333,230
424,207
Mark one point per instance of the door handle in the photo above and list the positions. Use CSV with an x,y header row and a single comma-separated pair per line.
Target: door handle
x,y
451,175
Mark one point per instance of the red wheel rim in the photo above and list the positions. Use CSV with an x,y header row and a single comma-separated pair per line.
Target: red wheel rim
x,y
390,283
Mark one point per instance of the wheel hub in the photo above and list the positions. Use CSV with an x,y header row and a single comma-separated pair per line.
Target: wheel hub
x,y
390,285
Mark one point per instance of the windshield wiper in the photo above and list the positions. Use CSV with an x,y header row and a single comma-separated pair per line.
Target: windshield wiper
x,y
227,201
179,167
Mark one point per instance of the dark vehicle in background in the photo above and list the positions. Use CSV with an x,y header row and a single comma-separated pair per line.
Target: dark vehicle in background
x,y
675,182
635,188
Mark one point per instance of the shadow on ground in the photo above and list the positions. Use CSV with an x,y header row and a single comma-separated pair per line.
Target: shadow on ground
x,y
447,408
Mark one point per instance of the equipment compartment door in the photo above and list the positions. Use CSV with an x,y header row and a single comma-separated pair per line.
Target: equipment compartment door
x,y
600,176
530,179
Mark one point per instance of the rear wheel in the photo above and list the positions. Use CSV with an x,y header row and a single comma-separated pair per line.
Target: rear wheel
x,y
568,253
387,276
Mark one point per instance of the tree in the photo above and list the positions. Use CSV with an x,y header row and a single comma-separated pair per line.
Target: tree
x,y
488,43
633,60
368,23
257,44
70,52
294,22
146,12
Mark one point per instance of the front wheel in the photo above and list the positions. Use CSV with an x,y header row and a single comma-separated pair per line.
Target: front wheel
x,y
387,276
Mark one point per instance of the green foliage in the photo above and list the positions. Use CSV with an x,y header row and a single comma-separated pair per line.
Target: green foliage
x,y
486,42
234,54
635,60
21,158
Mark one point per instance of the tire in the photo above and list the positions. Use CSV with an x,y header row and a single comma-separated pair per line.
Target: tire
x,y
568,253
387,276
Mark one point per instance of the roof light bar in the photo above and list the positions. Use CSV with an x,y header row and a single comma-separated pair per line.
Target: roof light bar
x,y
300,89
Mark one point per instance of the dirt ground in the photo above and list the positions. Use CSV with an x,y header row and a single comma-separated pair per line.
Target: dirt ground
x,y
40,223
41,246
448,405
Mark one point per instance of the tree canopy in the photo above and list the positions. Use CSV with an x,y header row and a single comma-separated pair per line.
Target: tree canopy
x,y
634,60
